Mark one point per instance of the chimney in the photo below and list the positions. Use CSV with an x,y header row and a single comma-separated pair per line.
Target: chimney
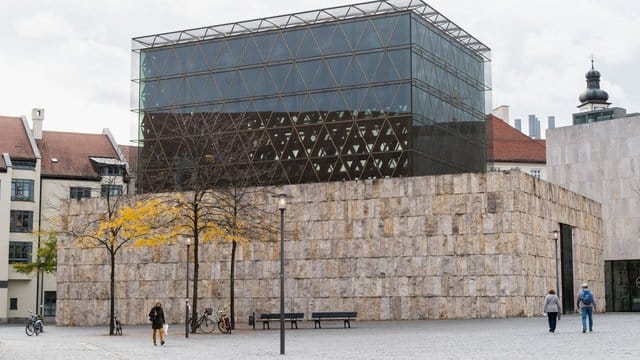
x,y
501,112
37,117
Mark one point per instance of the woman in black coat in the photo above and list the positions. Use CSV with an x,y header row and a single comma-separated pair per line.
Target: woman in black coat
x,y
156,315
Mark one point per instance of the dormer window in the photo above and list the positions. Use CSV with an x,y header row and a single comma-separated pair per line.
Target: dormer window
x,y
109,166
23,164
112,170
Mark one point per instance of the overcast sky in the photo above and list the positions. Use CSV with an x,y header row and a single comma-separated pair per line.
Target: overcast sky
x,y
73,57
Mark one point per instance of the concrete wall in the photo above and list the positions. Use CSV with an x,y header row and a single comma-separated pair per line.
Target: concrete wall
x,y
601,160
437,247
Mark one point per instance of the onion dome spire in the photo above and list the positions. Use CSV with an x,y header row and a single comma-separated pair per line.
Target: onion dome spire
x,y
593,93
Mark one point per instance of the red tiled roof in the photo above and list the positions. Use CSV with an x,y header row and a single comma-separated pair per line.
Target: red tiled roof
x,y
507,144
72,152
131,155
14,139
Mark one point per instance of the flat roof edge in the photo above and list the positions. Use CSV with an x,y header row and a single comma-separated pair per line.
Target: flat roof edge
x,y
311,17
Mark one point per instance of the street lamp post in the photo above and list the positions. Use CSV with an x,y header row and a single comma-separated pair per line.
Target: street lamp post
x,y
42,259
186,303
556,235
282,205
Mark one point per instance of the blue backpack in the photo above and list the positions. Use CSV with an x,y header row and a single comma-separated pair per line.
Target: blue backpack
x,y
587,297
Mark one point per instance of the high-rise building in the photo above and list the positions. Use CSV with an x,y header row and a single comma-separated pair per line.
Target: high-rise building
x,y
517,123
551,122
371,90
534,127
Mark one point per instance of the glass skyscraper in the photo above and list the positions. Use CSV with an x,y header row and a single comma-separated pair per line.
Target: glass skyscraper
x,y
377,89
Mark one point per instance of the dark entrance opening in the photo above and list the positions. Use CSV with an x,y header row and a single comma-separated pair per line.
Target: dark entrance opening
x,y
566,264
622,285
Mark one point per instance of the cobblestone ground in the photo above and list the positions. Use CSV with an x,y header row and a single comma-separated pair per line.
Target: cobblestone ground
x,y
615,336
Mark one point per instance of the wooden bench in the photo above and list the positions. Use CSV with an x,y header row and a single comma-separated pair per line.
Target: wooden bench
x,y
292,317
347,316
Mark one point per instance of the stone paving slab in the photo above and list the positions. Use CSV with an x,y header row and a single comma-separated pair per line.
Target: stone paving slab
x,y
616,336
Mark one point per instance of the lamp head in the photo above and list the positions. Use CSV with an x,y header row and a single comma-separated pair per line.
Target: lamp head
x,y
556,234
188,242
282,201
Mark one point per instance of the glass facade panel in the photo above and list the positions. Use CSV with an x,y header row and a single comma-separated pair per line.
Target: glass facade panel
x,y
448,103
622,285
365,97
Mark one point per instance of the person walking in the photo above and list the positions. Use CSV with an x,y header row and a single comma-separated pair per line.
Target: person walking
x,y
586,304
156,316
552,308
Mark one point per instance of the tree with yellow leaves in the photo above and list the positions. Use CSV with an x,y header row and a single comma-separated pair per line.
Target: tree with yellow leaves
x,y
122,221
206,157
195,219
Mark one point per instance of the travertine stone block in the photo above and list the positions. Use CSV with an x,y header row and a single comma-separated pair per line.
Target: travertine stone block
x,y
453,246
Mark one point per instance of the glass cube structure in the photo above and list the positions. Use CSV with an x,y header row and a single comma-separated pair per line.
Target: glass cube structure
x,y
371,90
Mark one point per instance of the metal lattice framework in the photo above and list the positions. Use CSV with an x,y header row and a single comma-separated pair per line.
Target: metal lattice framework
x,y
372,90
315,17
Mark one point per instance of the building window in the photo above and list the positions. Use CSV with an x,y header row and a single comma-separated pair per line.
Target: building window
x,y
111,190
49,303
21,221
536,173
23,164
13,304
79,193
19,252
111,170
22,189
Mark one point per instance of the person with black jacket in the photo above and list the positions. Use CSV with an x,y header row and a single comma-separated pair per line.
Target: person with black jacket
x,y
156,316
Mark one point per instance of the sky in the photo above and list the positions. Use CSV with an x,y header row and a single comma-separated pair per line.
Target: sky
x,y
73,57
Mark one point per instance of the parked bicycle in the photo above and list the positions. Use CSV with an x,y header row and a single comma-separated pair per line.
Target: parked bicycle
x,y
224,323
34,324
205,324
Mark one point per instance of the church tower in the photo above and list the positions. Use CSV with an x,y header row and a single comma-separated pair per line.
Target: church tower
x,y
593,102
593,98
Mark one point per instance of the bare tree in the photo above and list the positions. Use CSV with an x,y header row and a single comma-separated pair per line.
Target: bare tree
x,y
208,159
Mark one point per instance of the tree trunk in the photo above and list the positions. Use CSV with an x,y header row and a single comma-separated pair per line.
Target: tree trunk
x,y
232,277
113,295
194,303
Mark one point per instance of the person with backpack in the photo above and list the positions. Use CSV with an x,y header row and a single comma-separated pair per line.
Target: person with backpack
x,y
552,308
586,304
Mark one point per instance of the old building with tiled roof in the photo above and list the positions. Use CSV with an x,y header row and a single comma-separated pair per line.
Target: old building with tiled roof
x,y
508,149
38,169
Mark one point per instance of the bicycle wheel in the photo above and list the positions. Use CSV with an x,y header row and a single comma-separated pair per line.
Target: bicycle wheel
x,y
30,330
207,326
223,326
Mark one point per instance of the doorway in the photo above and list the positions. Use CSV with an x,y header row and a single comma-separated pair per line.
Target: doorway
x,y
566,264
622,285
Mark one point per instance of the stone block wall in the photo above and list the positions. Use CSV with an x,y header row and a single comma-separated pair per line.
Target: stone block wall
x,y
436,247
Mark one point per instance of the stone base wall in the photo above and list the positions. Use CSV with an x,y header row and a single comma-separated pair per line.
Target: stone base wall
x,y
437,247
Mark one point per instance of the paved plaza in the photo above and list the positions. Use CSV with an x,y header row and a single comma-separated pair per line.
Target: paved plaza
x,y
615,336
